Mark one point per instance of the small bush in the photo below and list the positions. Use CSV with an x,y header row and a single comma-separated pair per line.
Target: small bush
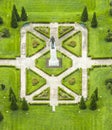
x,y
35,44
1,20
34,81
72,44
5,33
72,81
110,11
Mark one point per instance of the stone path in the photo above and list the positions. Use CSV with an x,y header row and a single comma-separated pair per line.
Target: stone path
x,y
54,82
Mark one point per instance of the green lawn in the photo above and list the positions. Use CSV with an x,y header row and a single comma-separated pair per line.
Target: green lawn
x,y
31,40
41,63
77,86
77,40
30,77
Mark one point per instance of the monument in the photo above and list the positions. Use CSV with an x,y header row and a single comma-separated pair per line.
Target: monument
x,y
53,61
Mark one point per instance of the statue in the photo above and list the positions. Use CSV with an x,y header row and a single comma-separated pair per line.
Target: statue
x,y
53,57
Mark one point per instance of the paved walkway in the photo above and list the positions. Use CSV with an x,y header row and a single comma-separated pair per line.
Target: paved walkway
x,y
53,82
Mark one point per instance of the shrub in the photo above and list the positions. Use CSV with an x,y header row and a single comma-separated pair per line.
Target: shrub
x,y
110,11
72,44
1,116
72,81
5,33
34,81
2,86
82,104
24,105
35,44
84,16
1,20
23,14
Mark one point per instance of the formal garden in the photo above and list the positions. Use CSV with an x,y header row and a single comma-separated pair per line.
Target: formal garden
x,y
93,113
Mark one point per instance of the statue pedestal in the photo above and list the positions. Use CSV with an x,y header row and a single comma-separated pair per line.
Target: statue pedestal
x,y
53,62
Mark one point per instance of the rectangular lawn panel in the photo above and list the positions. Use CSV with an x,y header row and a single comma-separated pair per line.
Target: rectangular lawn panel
x,y
10,77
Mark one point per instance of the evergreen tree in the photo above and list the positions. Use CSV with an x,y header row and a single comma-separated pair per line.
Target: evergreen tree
x,y
96,94
13,105
24,105
12,95
84,16
23,14
93,104
1,116
1,20
16,13
82,104
94,22
14,20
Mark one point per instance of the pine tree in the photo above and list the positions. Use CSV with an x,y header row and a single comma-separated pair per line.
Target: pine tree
x,y
24,105
23,14
14,20
1,116
96,94
94,22
1,20
12,95
84,16
82,104
93,104
13,105
16,13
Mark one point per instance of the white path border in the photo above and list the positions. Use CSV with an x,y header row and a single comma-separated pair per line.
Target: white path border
x,y
53,82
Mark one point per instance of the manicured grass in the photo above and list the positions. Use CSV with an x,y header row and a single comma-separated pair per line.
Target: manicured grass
x,y
44,30
97,78
76,38
77,85
30,41
62,30
41,63
30,76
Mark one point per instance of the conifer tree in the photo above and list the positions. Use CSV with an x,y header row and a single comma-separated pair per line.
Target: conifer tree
x,y
24,105
82,104
23,14
96,94
13,105
12,95
84,16
1,116
16,13
93,104
94,22
14,20
1,20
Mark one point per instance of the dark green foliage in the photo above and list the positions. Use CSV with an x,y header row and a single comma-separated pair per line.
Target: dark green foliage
x,y
5,33
108,81
13,105
93,103
82,104
16,13
24,105
1,116
84,16
110,11
96,94
23,14
12,95
109,36
94,22
2,86
1,20
110,3
14,20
